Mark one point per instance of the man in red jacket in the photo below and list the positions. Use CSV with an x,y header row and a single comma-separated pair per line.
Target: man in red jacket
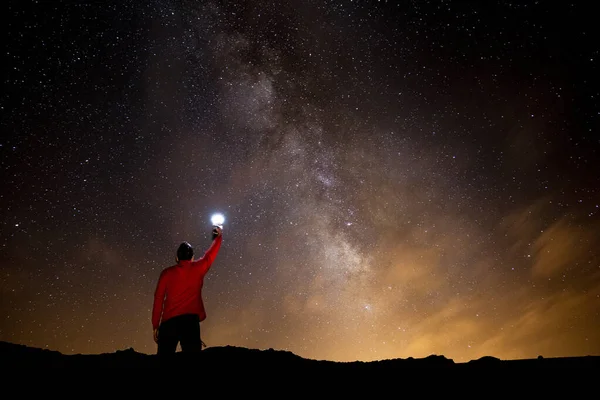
x,y
178,306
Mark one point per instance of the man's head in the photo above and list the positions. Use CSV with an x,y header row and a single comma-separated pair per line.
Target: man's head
x,y
185,252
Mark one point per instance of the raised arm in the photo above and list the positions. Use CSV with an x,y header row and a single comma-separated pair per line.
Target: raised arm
x,y
208,258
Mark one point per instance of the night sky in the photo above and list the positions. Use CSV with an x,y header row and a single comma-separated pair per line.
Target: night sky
x,y
398,178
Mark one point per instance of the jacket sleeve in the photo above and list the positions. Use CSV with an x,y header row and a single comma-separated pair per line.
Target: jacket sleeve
x,y
159,296
209,257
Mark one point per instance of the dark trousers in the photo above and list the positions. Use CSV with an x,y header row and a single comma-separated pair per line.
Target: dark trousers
x,y
183,329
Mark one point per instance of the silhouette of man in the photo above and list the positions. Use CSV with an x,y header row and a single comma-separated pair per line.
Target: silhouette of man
x,y
178,307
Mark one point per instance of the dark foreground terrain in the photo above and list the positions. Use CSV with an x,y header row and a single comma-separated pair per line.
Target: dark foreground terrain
x,y
236,372
242,360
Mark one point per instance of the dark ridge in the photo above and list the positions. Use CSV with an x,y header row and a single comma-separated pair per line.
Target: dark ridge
x,y
233,360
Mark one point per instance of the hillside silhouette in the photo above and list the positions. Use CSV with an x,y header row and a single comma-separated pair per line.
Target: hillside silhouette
x,y
232,360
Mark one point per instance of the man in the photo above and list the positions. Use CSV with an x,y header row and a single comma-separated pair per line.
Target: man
x,y
178,307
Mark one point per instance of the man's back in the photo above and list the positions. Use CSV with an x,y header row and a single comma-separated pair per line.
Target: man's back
x,y
179,289
183,293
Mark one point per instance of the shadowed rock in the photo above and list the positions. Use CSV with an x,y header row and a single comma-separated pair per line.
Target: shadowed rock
x,y
232,360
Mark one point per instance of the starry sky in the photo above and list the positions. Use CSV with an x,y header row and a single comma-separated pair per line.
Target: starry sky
x,y
398,178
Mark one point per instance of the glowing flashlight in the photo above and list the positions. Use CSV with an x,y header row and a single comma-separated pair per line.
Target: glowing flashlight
x,y
217,220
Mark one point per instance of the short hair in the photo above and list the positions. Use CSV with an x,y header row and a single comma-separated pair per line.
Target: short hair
x,y
185,251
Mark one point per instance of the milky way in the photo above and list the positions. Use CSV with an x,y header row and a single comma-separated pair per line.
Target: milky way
x,y
398,179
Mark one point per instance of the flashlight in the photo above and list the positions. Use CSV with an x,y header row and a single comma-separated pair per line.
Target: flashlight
x,y
217,221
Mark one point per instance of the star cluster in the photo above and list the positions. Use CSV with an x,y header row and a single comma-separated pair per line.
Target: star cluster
x,y
398,179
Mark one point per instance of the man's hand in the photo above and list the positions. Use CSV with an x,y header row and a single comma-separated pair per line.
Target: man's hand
x,y
216,232
156,335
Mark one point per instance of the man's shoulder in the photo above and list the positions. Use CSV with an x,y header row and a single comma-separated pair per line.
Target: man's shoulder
x,y
197,261
168,269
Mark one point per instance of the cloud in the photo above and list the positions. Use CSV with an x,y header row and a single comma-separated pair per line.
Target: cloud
x,y
555,325
416,269
560,247
522,225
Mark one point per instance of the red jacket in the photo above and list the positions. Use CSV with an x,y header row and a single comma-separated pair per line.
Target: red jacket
x,y
179,288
